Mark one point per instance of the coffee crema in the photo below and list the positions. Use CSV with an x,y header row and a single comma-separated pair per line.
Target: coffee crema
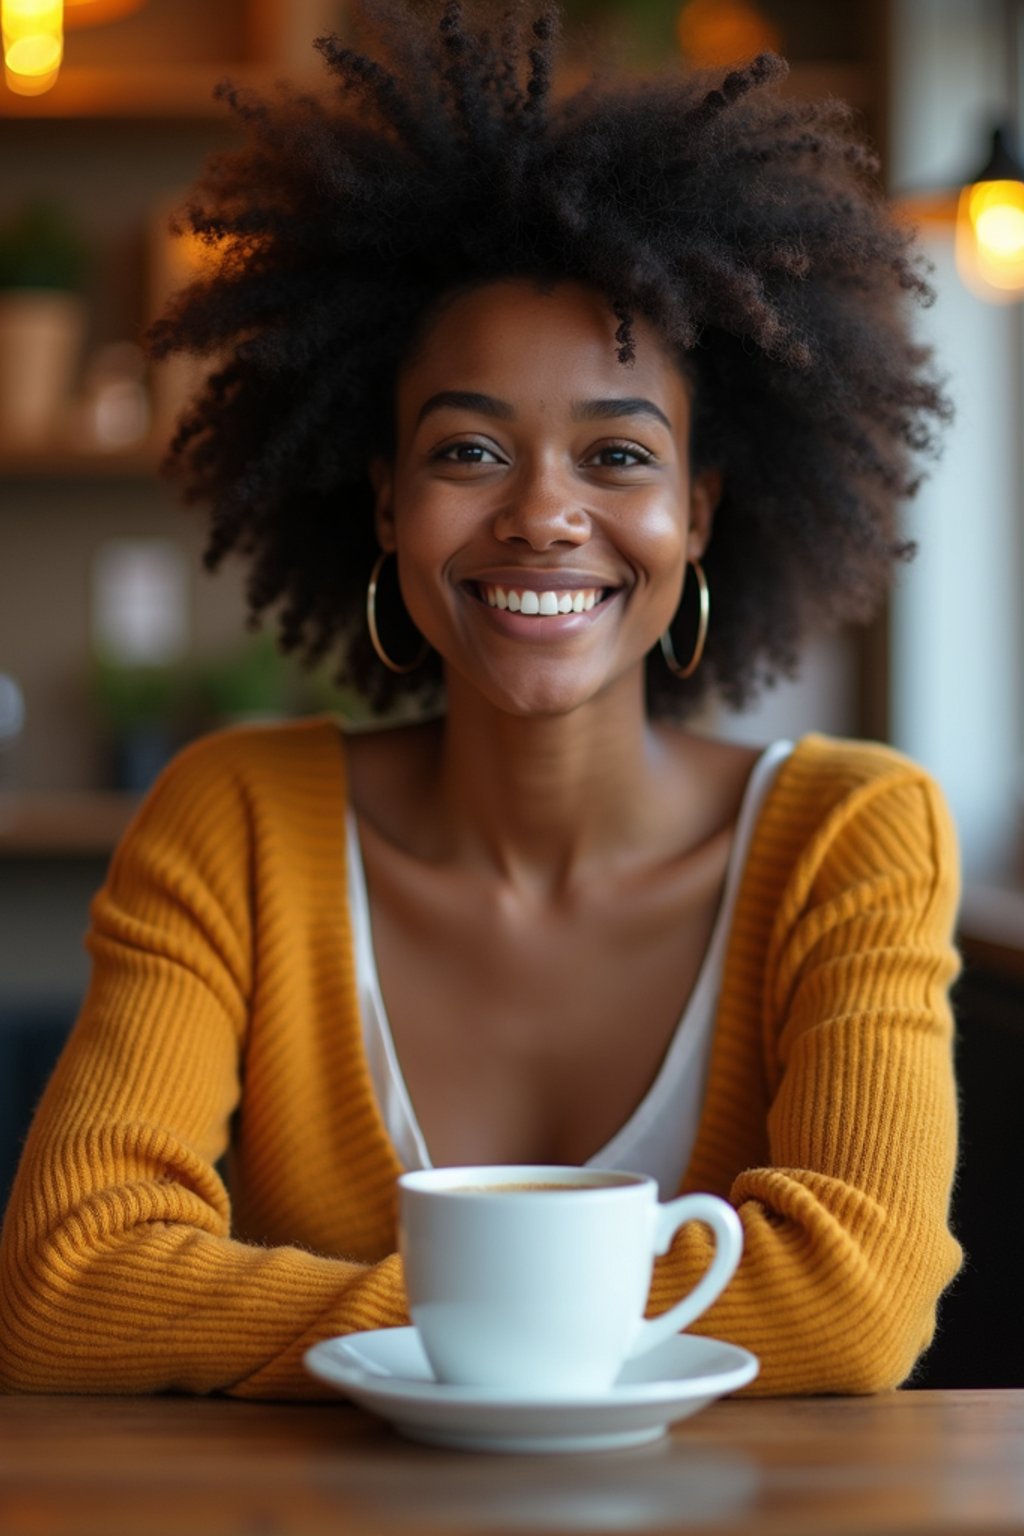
x,y
547,1187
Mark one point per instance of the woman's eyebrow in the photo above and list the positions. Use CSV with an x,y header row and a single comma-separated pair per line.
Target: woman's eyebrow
x,y
466,400
582,410
634,405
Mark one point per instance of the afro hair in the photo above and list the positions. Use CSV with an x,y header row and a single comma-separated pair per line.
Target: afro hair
x,y
747,226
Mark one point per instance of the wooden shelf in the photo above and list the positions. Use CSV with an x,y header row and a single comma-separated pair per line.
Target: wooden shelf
x,y
59,463
163,60
174,93
63,825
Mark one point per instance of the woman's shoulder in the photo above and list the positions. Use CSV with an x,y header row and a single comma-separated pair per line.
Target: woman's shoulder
x,y
855,807
793,784
252,755
826,772
218,786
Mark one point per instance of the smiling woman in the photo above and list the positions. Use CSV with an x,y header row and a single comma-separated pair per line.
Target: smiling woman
x,y
557,413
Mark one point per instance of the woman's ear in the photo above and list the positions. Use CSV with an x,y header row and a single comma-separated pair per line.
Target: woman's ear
x,y
705,494
382,480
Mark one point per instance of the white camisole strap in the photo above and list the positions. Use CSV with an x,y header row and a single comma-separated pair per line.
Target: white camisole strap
x,y
658,1137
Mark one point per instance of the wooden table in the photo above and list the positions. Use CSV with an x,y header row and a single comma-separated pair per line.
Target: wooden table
x,y
903,1462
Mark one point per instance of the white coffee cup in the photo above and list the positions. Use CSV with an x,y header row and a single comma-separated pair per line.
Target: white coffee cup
x,y
534,1279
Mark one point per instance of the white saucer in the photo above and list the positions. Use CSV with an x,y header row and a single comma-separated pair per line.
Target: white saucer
x,y
387,1372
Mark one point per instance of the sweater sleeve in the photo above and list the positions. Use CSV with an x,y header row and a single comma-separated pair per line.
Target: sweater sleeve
x,y
847,1246
117,1269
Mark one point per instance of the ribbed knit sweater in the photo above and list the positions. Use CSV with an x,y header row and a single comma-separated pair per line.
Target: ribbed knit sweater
x,y
220,1034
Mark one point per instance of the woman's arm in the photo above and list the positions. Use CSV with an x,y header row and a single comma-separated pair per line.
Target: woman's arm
x,y
117,1268
847,1240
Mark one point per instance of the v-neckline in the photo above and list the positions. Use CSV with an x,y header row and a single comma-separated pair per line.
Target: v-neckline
x,y
686,1038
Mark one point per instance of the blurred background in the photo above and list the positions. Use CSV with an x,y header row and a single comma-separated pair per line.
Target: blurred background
x,y
115,646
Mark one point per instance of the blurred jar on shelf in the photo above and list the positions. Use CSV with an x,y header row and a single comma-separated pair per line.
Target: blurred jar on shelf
x,y
43,319
140,623
112,413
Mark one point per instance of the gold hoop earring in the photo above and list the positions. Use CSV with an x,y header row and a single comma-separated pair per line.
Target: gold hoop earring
x,y
667,648
371,622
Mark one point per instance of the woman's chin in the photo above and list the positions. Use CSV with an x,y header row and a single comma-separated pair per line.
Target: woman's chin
x,y
537,692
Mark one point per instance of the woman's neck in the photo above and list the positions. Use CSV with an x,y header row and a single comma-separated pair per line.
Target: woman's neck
x,y
541,798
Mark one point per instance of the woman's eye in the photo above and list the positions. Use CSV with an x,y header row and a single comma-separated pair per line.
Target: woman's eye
x,y
620,456
467,453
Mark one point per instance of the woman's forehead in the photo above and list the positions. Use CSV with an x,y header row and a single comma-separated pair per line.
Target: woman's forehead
x,y
519,335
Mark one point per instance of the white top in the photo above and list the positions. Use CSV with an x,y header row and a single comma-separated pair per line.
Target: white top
x,y
658,1137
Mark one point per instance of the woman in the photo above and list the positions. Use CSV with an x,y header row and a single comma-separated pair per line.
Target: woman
x,y
503,384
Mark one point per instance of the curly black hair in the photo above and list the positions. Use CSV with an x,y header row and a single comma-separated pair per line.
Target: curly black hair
x,y
749,228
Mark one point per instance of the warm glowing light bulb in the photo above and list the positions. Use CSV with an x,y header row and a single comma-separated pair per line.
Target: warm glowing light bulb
x,y
31,64
997,213
30,18
33,34
990,239
1000,233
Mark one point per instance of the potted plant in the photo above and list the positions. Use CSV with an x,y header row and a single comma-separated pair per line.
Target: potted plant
x,y
251,681
141,708
42,322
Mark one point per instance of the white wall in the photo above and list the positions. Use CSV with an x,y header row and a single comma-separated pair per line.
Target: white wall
x,y
957,638
823,697
950,76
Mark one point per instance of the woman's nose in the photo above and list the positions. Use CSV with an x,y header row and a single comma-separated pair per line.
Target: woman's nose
x,y
542,510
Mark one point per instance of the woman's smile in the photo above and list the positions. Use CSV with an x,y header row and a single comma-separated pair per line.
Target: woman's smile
x,y
541,614
548,602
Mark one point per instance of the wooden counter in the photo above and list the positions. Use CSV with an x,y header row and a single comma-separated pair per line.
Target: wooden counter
x,y
923,1462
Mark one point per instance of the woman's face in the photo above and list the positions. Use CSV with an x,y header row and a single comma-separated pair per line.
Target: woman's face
x,y
539,501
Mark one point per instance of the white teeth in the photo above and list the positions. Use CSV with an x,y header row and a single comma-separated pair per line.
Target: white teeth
x,y
547,604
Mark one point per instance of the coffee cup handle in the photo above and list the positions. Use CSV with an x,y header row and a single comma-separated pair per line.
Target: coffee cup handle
x,y
725,1224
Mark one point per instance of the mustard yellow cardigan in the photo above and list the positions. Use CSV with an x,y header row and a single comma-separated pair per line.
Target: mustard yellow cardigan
x,y
221,1024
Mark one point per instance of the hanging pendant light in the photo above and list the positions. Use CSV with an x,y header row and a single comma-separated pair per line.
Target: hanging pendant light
x,y
985,210
990,226
33,36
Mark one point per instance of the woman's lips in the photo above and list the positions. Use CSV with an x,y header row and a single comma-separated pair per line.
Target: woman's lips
x,y
541,602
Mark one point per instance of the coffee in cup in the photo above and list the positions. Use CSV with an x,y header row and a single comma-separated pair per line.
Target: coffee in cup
x,y
534,1279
